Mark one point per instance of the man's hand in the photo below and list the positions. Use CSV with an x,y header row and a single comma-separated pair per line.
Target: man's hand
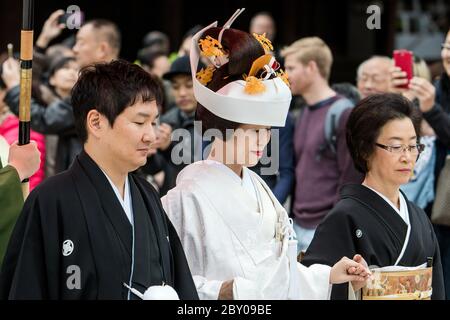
x,y
51,29
25,159
424,91
11,73
163,138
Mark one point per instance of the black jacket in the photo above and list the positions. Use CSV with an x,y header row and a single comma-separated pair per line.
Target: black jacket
x,y
56,118
439,119
362,222
79,208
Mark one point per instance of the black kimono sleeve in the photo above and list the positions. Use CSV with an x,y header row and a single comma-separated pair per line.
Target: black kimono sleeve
x,y
333,240
30,270
438,277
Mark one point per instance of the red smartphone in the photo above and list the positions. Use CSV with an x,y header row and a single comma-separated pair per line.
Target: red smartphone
x,y
404,60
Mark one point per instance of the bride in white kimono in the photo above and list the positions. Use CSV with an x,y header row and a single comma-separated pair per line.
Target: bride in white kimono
x,y
238,239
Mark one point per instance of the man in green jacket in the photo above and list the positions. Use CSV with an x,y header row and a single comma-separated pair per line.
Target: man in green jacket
x,y
23,162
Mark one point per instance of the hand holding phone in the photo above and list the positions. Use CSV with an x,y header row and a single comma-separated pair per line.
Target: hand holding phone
x,y
404,60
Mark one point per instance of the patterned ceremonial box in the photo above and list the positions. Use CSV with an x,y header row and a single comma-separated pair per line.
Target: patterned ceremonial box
x,y
399,284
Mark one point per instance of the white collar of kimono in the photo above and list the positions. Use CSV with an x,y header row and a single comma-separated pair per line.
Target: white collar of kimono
x,y
403,212
126,201
245,181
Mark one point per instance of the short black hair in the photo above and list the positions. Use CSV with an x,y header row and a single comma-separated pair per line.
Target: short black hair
x,y
369,116
58,63
110,88
147,56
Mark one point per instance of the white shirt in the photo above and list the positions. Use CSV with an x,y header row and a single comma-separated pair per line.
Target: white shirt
x,y
403,212
126,201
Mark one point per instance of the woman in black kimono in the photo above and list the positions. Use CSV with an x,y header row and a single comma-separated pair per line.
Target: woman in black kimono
x,y
376,219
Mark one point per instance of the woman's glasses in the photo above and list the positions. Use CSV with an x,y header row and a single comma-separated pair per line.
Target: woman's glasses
x,y
399,149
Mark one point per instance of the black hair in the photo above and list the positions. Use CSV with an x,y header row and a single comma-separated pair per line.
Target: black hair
x,y
110,88
157,40
368,118
147,56
57,64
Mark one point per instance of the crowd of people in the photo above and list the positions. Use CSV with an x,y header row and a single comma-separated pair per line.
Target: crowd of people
x,y
318,171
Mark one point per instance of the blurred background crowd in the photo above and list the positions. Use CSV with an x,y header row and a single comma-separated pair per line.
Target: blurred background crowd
x,y
324,47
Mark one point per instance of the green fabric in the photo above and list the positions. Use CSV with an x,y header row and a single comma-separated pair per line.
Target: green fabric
x,y
11,203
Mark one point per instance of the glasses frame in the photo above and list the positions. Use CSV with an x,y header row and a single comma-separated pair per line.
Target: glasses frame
x,y
420,148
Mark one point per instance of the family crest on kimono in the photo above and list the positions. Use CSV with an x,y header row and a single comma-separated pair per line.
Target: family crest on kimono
x,y
97,231
376,219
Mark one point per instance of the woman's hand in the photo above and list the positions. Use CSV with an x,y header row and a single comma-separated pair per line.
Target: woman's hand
x,y
357,285
226,290
347,270
163,137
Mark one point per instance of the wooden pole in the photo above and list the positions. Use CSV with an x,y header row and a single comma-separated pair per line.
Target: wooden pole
x,y
26,67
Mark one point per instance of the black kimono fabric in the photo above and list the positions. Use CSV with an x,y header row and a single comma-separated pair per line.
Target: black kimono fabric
x,y
74,241
362,222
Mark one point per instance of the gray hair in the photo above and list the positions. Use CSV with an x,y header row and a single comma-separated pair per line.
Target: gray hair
x,y
382,58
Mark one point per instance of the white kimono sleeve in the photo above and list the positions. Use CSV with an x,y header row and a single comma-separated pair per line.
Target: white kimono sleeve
x,y
314,282
185,213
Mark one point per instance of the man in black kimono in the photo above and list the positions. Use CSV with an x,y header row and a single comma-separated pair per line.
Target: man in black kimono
x,y
84,233
362,222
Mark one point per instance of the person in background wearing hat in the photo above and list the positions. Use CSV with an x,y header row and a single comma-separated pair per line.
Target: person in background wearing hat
x,y
238,239
181,116
156,41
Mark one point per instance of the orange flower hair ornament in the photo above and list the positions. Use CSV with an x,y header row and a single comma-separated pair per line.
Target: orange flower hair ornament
x,y
284,76
266,43
253,85
211,47
268,65
204,76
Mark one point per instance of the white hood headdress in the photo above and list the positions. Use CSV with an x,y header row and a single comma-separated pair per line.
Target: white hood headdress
x,y
268,105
